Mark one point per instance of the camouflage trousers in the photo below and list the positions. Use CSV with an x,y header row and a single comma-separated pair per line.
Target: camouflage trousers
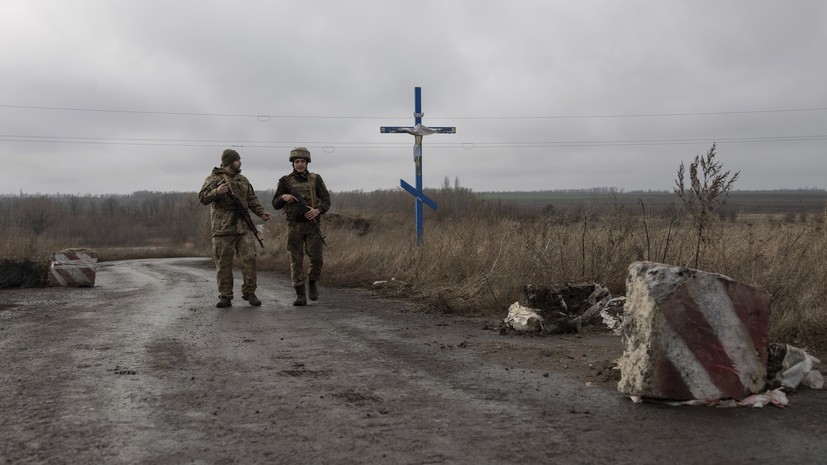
x,y
302,239
225,248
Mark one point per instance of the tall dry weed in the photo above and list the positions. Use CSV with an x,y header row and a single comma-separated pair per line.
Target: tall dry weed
x,y
17,244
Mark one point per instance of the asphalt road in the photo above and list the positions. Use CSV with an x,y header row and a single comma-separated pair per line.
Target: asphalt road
x,y
142,368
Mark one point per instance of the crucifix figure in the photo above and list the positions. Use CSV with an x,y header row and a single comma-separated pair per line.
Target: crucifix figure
x,y
418,131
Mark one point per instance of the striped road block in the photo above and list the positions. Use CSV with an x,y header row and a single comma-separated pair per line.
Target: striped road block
x,y
692,335
73,267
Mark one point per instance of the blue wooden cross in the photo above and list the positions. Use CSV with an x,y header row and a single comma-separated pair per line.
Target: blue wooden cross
x,y
418,130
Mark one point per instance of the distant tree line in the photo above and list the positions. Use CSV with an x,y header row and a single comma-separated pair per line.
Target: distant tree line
x,y
666,204
139,219
147,218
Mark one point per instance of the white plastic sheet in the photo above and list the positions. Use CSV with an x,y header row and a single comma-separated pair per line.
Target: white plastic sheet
x,y
523,318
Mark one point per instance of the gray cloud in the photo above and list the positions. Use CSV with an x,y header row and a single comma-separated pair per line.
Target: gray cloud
x,y
544,95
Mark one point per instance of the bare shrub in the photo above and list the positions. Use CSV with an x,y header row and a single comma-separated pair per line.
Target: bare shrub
x,y
705,194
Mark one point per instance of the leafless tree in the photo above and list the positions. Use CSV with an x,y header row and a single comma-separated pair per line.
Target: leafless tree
x,y
36,214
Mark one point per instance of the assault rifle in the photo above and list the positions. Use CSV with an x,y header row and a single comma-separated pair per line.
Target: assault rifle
x,y
241,212
303,207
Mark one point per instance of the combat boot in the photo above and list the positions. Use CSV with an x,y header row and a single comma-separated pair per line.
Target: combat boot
x,y
312,291
223,302
251,297
301,298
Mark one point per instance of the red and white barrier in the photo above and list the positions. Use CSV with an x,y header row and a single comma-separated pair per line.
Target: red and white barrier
x,y
688,334
73,267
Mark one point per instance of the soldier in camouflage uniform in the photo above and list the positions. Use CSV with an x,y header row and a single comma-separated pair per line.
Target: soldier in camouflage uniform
x,y
302,234
230,233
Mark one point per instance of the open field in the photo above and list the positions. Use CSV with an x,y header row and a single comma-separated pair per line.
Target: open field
x,y
778,202
479,250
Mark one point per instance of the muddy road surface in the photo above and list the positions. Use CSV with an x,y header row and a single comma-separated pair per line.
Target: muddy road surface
x,y
142,368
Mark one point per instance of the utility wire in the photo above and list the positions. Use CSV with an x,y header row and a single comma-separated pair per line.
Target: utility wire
x,y
267,117
642,115
386,145
261,117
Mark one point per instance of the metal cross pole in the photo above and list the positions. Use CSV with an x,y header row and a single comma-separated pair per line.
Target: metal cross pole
x,y
418,131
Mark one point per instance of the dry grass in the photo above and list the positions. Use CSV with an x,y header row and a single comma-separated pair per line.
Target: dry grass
x,y
15,244
478,265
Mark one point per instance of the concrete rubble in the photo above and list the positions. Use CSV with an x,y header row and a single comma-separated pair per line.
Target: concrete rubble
x,y
565,308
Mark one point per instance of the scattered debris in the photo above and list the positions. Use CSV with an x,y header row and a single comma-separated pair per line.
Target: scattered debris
x,y
612,313
565,308
789,367
391,287
523,319
776,397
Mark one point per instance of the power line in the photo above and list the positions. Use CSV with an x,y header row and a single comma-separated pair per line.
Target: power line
x,y
267,117
261,117
388,145
643,115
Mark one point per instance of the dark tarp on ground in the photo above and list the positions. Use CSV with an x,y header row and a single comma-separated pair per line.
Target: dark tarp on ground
x,y
22,274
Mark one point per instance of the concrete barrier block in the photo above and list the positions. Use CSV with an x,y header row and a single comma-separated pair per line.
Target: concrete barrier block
x,y
73,267
688,334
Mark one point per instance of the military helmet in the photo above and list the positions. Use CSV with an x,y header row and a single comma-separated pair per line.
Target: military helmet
x,y
300,152
229,156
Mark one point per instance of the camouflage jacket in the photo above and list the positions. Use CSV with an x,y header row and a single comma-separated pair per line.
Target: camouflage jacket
x,y
310,187
221,205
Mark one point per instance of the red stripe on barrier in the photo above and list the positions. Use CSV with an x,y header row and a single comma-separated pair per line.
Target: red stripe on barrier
x,y
72,275
71,257
753,313
671,384
686,319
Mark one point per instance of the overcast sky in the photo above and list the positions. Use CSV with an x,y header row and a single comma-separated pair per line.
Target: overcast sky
x,y
130,95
